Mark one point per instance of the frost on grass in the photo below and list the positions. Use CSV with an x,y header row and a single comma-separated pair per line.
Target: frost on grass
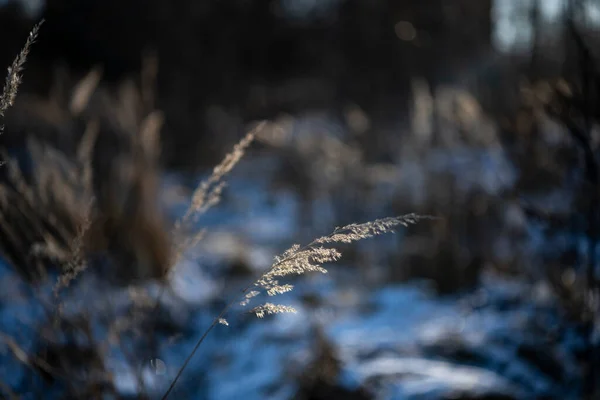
x,y
299,260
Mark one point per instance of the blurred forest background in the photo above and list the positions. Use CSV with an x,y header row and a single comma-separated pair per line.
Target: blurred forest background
x,y
485,113
258,59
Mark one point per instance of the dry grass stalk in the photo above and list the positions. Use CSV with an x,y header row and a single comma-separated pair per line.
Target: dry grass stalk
x,y
13,78
84,90
209,191
46,214
299,260
77,263
208,194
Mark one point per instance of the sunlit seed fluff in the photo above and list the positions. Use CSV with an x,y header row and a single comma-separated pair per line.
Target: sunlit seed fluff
x,y
298,260
270,308
279,289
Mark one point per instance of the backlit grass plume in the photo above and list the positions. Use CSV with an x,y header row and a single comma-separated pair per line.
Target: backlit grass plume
x,y
208,194
298,260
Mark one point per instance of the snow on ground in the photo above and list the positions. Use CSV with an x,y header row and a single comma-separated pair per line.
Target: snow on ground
x,y
399,341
